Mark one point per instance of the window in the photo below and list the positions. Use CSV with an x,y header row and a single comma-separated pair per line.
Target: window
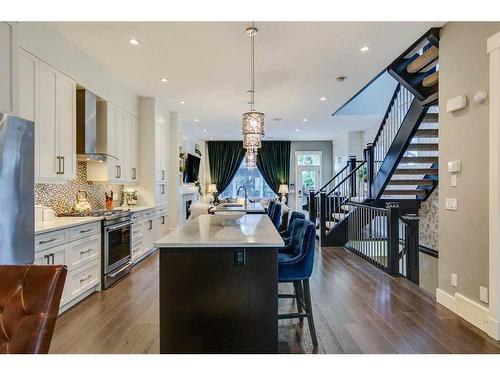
x,y
252,179
312,159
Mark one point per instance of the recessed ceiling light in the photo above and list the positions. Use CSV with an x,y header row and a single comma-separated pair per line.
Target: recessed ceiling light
x,y
133,41
364,48
341,78
182,102
196,120
296,130
204,130
211,138
305,120
277,119
322,98
164,80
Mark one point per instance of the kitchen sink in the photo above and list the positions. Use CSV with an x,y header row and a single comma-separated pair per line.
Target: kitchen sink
x,y
232,205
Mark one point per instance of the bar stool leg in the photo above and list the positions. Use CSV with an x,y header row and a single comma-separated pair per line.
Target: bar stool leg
x,y
310,320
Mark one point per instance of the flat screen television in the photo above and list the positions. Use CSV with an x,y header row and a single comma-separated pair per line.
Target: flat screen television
x,y
192,169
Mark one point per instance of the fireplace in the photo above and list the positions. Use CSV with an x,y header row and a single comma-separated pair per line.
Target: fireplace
x,y
188,205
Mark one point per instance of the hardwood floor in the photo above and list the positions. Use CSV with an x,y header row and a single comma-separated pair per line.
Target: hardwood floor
x,y
358,309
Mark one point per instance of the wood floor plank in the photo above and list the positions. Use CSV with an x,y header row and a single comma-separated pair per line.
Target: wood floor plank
x,y
357,309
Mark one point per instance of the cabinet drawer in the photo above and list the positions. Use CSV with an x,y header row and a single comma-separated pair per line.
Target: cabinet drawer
x,y
51,239
84,251
82,279
84,231
148,214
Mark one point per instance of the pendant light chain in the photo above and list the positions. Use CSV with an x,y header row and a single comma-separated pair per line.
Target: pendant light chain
x,y
252,69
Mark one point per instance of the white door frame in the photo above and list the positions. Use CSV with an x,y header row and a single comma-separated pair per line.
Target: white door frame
x,y
493,320
299,168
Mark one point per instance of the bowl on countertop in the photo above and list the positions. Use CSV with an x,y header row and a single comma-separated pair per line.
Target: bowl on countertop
x,y
230,218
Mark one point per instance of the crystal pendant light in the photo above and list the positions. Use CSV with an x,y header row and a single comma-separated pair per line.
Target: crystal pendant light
x,y
251,158
253,121
252,141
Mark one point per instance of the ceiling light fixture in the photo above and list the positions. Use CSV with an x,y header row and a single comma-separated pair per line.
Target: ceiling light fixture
x,y
364,48
322,98
133,41
182,102
196,120
251,158
253,121
164,80
204,130
305,120
296,130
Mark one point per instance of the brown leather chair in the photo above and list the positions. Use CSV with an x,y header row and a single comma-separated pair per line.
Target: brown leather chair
x,y
29,304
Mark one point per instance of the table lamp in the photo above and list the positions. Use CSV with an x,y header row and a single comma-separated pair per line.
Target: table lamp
x,y
212,188
283,190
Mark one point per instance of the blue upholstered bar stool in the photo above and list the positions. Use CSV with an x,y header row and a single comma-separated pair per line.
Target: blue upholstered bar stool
x,y
276,215
296,267
270,208
287,234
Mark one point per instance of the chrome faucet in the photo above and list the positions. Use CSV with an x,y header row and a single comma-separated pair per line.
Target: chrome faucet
x,y
246,193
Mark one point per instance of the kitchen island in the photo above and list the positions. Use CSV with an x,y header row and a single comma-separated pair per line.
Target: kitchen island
x,y
249,208
218,286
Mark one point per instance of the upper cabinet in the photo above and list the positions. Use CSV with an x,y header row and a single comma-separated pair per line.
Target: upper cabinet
x,y
7,67
48,97
117,135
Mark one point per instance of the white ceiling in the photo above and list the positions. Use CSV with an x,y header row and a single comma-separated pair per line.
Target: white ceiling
x,y
207,66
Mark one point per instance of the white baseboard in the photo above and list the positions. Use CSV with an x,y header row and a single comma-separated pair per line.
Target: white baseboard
x,y
471,311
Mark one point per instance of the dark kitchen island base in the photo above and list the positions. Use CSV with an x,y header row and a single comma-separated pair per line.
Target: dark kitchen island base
x,y
214,300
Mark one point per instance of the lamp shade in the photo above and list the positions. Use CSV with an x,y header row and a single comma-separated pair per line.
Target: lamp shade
x,y
212,188
252,141
283,189
251,158
253,123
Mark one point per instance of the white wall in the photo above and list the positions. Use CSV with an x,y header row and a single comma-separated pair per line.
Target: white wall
x,y
41,40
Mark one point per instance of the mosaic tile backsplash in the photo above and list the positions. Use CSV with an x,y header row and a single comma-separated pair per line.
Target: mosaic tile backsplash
x,y
61,197
428,226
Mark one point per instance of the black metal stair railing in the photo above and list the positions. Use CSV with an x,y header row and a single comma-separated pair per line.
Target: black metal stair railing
x,y
385,238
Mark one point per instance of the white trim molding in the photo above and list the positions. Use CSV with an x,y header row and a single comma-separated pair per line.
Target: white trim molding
x,y
493,49
469,310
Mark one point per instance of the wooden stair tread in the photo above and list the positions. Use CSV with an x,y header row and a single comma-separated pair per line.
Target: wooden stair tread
x,y
431,80
420,159
423,60
411,182
431,118
412,171
404,192
423,147
427,133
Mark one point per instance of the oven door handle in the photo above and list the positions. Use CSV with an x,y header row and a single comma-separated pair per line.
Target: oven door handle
x,y
109,229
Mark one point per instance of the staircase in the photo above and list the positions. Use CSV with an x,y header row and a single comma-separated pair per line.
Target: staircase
x,y
402,161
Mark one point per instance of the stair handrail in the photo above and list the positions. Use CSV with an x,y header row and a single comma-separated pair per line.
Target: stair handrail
x,y
331,180
387,112
349,176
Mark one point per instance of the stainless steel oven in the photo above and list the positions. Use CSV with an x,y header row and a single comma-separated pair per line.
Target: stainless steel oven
x,y
117,249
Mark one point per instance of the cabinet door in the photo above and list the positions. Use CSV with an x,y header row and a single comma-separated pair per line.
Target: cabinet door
x,y
47,151
164,151
28,66
119,136
59,255
41,258
135,150
66,109
158,152
127,173
6,71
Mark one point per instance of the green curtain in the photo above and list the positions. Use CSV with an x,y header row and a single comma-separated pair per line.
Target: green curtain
x,y
273,161
224,158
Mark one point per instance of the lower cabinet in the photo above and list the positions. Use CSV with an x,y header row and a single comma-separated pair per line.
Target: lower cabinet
x,y
79,252
147,227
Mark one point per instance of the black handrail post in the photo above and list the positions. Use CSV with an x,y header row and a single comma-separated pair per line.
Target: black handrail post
x,y
370,168
392,238
322,217
312,206
413,249
352,167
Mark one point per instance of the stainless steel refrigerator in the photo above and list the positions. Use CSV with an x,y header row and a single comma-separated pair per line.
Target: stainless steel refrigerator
x,y
17,196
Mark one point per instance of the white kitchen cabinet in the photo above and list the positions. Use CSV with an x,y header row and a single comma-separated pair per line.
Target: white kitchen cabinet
x,y
161,223
7,67
117,135
48,97
79,248
161,154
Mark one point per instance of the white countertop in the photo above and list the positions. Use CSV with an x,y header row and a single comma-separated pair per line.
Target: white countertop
x,y
135,208
62,223
253,230
250,207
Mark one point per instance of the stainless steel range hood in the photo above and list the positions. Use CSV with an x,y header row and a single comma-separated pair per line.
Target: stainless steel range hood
x,y
86,128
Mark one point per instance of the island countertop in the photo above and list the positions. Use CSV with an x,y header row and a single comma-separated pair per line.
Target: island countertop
x,y
254,208
208,231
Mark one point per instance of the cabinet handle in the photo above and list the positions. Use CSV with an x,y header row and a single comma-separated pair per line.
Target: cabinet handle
x,y
120,171
117,176
163,189
162,175
58,158
134,174
63,165
163,220
150,224
46,241
85,278
85,251
47,257
86,230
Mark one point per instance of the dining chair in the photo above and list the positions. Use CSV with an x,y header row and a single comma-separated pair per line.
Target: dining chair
x,y
276,215
270,208
29,304
296,267
287,233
